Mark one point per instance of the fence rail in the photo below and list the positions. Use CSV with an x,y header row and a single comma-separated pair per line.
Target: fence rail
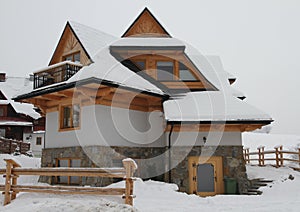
x,y
9,146
280,156
14,170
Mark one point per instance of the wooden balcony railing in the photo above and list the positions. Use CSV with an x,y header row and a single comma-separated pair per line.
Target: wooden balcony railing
x,y
55,73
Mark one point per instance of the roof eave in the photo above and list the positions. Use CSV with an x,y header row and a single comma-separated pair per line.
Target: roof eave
x,y
80,83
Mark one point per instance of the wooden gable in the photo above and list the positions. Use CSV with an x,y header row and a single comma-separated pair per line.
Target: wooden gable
x,y
146,25
69,43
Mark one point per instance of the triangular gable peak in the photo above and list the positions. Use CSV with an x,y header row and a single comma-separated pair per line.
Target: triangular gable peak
x,y
146,25
69,44
2,96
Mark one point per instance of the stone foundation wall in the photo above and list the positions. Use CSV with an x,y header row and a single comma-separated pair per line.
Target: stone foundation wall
x,y
233,164
156,165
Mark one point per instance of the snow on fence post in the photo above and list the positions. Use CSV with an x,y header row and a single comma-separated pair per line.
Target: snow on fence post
x,y
130,167
9,181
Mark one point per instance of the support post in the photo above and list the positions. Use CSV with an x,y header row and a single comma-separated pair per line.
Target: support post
x,y
130,167
7,183
281,156
299,156
248,154
10,180
277,157
262,155
259,156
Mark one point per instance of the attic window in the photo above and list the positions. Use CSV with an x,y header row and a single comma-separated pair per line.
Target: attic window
x,y
69,117
74,57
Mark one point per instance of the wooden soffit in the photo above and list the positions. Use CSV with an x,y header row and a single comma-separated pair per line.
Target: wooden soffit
x,y
214,127
92,94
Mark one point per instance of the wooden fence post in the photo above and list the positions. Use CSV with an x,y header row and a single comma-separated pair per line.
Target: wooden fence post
x,y
281,155
248,155
299,155
259,156
262,155
277,157
9,181
130,166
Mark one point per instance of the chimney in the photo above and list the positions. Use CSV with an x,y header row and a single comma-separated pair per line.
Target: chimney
x,y
2,77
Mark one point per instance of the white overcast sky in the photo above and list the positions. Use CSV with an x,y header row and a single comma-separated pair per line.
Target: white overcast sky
x,y
258,40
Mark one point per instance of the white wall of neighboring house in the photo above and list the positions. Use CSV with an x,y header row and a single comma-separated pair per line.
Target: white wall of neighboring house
x,y
108,126
37,140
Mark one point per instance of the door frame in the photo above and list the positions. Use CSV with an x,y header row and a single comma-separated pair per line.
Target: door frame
x,y
217,162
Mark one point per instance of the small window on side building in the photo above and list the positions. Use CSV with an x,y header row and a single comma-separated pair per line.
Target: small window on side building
x,y
38,141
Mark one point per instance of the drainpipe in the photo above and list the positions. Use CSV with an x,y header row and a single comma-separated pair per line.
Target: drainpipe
x,y
169,148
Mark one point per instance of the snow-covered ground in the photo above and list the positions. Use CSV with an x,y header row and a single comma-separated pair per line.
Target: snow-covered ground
x,y
281,195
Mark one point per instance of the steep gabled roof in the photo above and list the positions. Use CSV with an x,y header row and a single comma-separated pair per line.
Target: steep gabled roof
x,y
91,39
146,25
14,86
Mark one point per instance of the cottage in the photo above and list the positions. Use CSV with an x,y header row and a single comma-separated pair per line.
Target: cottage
x,y
147,96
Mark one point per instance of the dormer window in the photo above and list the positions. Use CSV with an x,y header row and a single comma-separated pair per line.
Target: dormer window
x,y
165,70
185,74
74,57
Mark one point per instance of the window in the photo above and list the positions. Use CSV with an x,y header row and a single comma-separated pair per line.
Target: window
x,y
38,141
70,116
1,111
141,64
74,57
165,70
68,162
185,74
2,132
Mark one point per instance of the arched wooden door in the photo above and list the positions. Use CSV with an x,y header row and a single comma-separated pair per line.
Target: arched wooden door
x,y
206,175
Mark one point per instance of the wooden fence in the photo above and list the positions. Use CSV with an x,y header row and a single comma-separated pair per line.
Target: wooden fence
x,y
14,170
278,156
9,146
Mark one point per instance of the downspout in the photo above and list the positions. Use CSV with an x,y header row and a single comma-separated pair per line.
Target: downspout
x,y
169,150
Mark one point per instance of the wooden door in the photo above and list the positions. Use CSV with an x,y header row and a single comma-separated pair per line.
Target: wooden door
x,y
206,175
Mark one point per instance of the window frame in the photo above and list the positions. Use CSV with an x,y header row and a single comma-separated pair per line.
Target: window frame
x,y
72,54
151,67
38,139
61,117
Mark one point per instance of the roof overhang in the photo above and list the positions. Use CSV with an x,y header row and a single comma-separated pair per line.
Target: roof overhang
x,y
79,83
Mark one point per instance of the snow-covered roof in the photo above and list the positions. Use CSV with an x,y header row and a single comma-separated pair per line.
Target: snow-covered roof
x,y
15,123
217,67
92,39
106,67
148,42
211,106
14,86
217,62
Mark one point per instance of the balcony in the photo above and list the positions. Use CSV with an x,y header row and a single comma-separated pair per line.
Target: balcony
x,y
56,73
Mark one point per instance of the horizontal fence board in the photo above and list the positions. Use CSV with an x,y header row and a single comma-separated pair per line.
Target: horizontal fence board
x,y
54,191
80,172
